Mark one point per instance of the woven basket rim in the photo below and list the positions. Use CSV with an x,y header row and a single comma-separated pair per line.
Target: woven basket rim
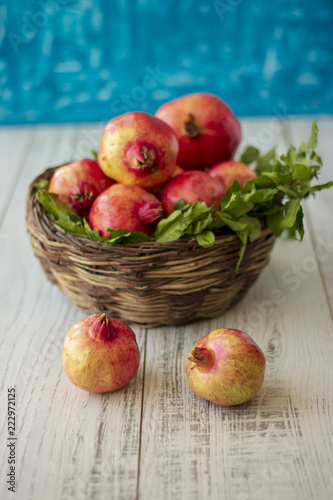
x,y
221,236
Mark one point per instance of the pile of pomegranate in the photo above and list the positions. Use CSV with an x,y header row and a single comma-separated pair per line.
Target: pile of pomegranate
x,y
147,163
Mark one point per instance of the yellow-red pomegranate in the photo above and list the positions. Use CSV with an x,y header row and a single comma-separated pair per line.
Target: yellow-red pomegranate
x,y
100,354
138,148
226,367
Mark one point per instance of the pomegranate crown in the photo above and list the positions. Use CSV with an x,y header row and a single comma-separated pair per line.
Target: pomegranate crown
x,y
201,357
102,328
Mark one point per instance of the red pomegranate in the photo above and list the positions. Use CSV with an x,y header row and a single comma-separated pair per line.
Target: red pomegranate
x,y
229,171
125,206
191,186
79,183
207,129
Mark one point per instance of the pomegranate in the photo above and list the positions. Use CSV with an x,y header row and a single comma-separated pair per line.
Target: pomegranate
x,y
124,206
192,186
100,354
79,183
157,190
179,170
226,367
207,129
227,172
138,148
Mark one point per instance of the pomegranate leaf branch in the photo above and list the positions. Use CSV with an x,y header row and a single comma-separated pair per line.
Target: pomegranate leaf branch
x,y
272,199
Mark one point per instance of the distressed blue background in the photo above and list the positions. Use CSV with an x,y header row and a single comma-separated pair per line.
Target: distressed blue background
x,y
85,60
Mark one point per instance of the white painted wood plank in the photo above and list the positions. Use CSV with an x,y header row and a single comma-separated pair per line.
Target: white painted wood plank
x,y
15,144
76,445
71,444
319,210
264,133
277,446
88,139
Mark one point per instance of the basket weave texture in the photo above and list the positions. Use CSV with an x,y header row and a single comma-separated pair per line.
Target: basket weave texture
x,y
147,284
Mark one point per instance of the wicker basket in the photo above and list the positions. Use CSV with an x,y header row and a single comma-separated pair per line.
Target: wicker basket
x,y
146,284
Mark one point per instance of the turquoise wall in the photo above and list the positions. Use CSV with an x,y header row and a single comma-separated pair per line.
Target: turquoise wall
x,y
87,60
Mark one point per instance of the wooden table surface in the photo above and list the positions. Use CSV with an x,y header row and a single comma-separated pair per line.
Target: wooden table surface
x,y
154,439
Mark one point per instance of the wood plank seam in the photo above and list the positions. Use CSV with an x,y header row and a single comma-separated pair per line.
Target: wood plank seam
x,y
141,414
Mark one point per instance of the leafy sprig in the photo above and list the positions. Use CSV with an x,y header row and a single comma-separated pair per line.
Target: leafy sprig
x,y
66,218
273,199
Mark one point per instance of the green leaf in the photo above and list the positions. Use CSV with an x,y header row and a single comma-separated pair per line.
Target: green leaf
x,y
302,149
297,227
262,195
199,217
42,184
313,141
248,188
224,219
199,226
115,233
237,206
301,172
206,239
304,161
278,167
88,229
265,163
249,155
243,208
291,208
279,179
286,160
242,235
196,210
53,205
274,222
299,223
230,194
251,232
288,191
62,215
171,228
190,220
292,156
263,182
93,233
318,187
253,227
94,154
179,205
233,202
65,217
72,227
75,218
315,157
122,236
